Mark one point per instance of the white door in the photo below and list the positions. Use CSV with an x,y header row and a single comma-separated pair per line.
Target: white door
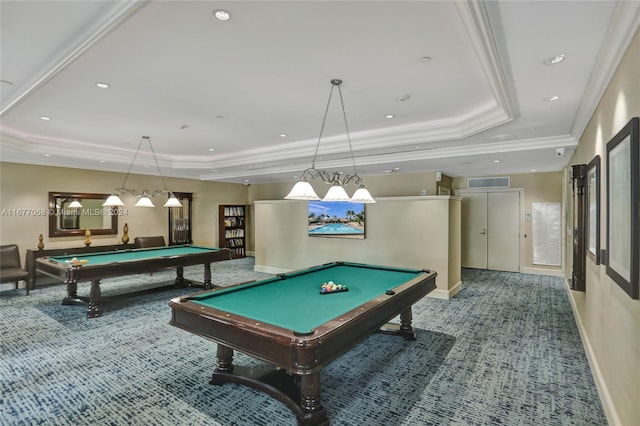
x,y
474,230
503,223
491,230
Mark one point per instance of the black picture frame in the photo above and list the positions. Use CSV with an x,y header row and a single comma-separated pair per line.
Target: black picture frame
x,y
623,198
592,219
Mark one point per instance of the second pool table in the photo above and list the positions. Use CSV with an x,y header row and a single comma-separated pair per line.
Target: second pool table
x,y
287,322
125,262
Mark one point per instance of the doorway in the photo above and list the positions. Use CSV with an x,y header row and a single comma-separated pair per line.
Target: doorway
x,y
491,230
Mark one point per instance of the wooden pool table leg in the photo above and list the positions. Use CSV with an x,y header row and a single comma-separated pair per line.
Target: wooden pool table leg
x,y
207,276
180,280
303,400
225,359
72,293
314,412
95,300
405,329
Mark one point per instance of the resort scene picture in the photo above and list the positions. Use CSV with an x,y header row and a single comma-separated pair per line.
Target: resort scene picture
x,y
336,219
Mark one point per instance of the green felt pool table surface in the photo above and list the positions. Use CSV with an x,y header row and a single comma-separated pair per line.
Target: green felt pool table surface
x,y
296,303
133,255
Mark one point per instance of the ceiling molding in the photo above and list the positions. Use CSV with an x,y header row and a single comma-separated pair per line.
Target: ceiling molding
x,y
625,23
476,20
474,92
120,12
361,141
418,154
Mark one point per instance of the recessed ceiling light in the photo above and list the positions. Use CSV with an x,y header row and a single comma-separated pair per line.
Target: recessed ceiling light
x,y
501,137
389,116
554,60
403,97
47,155
211,149
45,118
102,85
222,15
533,170
496,161
425,59
283,135
182,126
551,98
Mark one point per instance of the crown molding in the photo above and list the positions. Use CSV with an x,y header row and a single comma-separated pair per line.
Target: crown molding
x,y
120,12
424,154
625,23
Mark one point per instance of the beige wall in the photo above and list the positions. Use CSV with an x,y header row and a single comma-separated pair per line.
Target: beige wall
x,y
27,187
608,317
389,185
413,232
537,188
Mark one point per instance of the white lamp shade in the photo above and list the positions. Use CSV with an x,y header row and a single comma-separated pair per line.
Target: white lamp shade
x,y
336,193
75,204
362,195
302,190
113,200
144,202
172,202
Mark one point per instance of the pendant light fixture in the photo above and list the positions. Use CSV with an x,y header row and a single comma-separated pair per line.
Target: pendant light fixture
x,y
144,197
303,190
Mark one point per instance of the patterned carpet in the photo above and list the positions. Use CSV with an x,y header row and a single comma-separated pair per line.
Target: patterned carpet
x,y
504,351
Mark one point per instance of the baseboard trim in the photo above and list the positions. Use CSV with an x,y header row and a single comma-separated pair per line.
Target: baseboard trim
x,y
270,270
603,392
543,271
446,294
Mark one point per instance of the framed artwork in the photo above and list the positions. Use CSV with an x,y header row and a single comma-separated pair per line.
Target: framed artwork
x,y
623,182
336,219
592,189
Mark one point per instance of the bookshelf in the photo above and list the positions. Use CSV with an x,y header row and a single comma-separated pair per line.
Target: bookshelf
x,y
232,229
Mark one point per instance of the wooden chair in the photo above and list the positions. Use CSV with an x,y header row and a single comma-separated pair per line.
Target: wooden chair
x,y
10,267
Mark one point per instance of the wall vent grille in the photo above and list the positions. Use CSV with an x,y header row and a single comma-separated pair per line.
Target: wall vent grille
x,y
492,182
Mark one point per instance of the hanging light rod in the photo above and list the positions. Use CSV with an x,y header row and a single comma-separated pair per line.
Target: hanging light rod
x,y
303,190
144,197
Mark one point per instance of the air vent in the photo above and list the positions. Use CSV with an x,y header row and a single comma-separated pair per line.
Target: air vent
x,y
492,182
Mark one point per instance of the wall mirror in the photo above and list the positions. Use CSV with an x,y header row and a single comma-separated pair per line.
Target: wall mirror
x,y
72,214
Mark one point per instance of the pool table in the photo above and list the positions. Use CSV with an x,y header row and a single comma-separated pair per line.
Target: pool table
x,y
287,322
96,266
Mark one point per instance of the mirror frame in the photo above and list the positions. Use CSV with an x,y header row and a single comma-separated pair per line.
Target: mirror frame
x,y
53,216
